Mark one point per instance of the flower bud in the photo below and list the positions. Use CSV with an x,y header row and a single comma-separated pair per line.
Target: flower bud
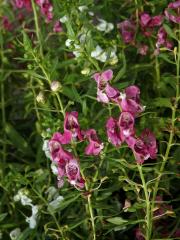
x,y
85,71
40,97
55,86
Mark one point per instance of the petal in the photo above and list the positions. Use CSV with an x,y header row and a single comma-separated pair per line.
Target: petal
x,y
107,75
97,77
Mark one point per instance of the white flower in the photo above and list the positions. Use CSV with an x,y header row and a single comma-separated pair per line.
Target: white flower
x,y
40,97
82,8
63,19
32,222
32,219
14,234
25,200
53,205
104,26
91,13
52,193
77,53
54,168
21,196
99,54
113,57
35,209
68,42
45,148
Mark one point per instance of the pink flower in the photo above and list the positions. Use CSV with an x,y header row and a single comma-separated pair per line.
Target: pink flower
x,y
145,146
46,9
150,141
73,173
171,17
6,23
162,39
113,132
130,101
127,29
66,163
95,146
156,21
140,151
145,18
139,235
71,129
147,23
102,80
143,49
58,154
57,27
126,125
23,3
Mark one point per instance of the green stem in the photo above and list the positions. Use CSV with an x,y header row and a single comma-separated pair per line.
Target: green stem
x,y
37,27
171,136
148,206
89,209
157,68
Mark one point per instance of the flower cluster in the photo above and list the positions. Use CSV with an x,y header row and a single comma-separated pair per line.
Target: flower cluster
x,y
46,9
122,129
148,25
26,201
66,164
23,4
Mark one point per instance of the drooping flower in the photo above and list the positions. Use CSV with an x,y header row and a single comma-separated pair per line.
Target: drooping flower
x,y
127,29
171,17
113,132
95,146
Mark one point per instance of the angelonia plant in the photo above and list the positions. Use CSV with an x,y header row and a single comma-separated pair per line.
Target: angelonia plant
x,y
90,119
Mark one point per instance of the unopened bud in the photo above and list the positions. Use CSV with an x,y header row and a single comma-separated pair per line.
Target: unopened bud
x,y
85,71
55,86
40,97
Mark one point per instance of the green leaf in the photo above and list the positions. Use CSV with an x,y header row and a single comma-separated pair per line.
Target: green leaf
x,y
170,32
162,102
17,140
122,70
2,216
25,234
117,220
